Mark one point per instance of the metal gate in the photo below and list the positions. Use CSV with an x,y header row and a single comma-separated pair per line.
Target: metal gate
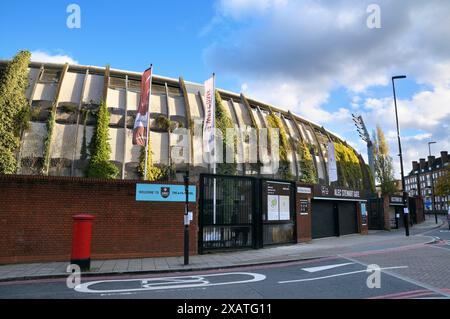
x,y
376,213
233,223
324,219
348,220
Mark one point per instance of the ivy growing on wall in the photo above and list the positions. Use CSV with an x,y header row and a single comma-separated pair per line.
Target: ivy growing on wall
x,y
84,149
307,169
348,166
14,110
223,121
47,141
273,121
99,164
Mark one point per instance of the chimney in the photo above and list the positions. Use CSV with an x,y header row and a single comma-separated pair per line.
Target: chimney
x,y
431,161
444,157
422,163
415,166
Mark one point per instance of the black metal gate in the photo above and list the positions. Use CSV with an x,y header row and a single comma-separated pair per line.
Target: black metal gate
x,y
232,224
376,213
348,220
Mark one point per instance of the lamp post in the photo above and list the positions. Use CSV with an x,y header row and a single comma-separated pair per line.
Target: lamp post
x,y
433,208
405,202
186,219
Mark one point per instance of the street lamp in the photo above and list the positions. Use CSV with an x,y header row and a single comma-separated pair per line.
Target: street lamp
x,y
432,185
405,202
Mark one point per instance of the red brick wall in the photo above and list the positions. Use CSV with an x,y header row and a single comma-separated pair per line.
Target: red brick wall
x,y
36,220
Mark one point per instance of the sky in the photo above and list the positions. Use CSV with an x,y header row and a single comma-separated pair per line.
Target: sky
x,y
317,58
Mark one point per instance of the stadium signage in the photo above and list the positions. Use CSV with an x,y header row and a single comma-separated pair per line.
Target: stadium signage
x,y
164,193
332,192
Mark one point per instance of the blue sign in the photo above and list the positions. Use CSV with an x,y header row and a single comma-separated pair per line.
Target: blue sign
x,y
428,204
164,193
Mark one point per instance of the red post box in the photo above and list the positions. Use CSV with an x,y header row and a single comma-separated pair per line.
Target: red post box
x,y
81,241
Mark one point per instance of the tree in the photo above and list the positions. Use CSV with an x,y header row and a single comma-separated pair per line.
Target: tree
x,y
308,172
384,170
442,184
14,111
99,164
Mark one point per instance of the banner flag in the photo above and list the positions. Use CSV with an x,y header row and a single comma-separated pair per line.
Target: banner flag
x,y
332,169
142,116
209,121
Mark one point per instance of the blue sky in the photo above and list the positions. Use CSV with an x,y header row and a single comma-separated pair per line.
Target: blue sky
x,y
316,58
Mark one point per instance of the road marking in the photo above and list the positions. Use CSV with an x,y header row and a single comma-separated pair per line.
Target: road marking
x,y
336,275
321,268
402,294
149,284
411,281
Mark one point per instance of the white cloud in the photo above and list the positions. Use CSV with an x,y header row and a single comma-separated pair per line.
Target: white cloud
x,y
293,54
42,56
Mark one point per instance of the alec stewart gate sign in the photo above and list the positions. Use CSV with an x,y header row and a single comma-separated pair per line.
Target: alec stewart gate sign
x,y
164,193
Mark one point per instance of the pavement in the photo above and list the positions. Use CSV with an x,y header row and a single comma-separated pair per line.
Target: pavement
x,y
318,248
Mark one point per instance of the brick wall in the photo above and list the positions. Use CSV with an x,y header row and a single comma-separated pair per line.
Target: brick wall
x,y
36,220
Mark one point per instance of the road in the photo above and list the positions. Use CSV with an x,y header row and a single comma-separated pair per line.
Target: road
x,y
416,271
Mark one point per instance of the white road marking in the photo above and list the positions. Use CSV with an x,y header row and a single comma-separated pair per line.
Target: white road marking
x,y
321,268
149,284
335,275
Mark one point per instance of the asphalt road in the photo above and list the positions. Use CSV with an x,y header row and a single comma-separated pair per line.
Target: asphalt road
x,y
419,271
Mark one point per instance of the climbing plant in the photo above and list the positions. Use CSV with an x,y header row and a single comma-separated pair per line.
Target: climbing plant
x,y
99,164
14,110
84,148
223,121
307,169
47,142
348,166
273,121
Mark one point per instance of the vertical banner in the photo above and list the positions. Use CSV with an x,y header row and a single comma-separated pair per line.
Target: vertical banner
x,y
332,169
142,116
209,121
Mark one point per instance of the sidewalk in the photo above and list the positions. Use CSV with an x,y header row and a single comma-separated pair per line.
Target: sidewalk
x,y
325,247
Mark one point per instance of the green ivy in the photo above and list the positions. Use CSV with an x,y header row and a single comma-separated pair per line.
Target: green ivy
x,y
273,121
223,121
153,173
99,164
14,110
47,142
84,148
348,167
307,169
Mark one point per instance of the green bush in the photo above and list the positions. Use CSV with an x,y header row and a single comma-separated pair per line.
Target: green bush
x,y
307,169
99,164
162,123
153,173
274,121
223,121
47,141
348,167
14,109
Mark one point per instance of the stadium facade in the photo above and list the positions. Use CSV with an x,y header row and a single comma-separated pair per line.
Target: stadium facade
x,y
74,89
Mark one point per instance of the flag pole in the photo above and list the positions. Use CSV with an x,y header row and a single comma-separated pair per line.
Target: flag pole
x,y
148,123
215,148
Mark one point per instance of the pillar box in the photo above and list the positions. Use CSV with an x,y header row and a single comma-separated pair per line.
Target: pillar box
x,y
81,241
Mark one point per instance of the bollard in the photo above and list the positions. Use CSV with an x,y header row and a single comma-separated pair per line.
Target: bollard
x,y
81,241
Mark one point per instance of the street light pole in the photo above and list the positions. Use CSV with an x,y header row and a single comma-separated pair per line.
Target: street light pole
x,y
186,219
432,185
405,201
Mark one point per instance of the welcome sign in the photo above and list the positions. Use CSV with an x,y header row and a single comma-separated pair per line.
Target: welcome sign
x,y
164,193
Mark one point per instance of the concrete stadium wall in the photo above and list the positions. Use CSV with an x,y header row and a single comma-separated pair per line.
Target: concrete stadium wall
x,y
36,220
